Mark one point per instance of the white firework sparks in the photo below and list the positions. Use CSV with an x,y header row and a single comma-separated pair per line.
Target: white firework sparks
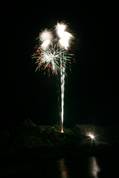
x,y
51,58
64,42
64,36
46,39
52,54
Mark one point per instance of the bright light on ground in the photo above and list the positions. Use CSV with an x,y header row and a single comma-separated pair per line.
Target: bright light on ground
x,y
62,131
91,136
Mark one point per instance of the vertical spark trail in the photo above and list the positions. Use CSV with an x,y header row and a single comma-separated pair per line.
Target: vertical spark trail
x,y
52,54
62,77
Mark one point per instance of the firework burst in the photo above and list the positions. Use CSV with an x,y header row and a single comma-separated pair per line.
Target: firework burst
x,y
52,54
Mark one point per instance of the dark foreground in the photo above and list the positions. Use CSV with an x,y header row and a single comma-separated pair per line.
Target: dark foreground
x,y
67,163
63,158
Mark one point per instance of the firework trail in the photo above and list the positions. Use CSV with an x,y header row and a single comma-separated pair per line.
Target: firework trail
x,y
64,41
52,54
62,78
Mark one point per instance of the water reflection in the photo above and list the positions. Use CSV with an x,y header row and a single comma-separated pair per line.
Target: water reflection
x,y
63,169
94,168
88,167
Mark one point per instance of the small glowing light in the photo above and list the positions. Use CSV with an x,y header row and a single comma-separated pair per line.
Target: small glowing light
x,y
62,131
91,136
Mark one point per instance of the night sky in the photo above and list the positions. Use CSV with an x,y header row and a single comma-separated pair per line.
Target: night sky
x,y
91,94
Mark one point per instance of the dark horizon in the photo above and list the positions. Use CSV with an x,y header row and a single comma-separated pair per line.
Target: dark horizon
x,y
91,87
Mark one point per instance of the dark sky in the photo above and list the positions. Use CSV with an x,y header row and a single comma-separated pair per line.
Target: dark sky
x,y
91,94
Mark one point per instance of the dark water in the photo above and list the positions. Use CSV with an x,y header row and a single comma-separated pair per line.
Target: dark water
x,y
83,166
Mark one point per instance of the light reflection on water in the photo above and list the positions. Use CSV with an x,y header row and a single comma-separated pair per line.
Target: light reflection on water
x,y
63,169
94,168
80,166
91,170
